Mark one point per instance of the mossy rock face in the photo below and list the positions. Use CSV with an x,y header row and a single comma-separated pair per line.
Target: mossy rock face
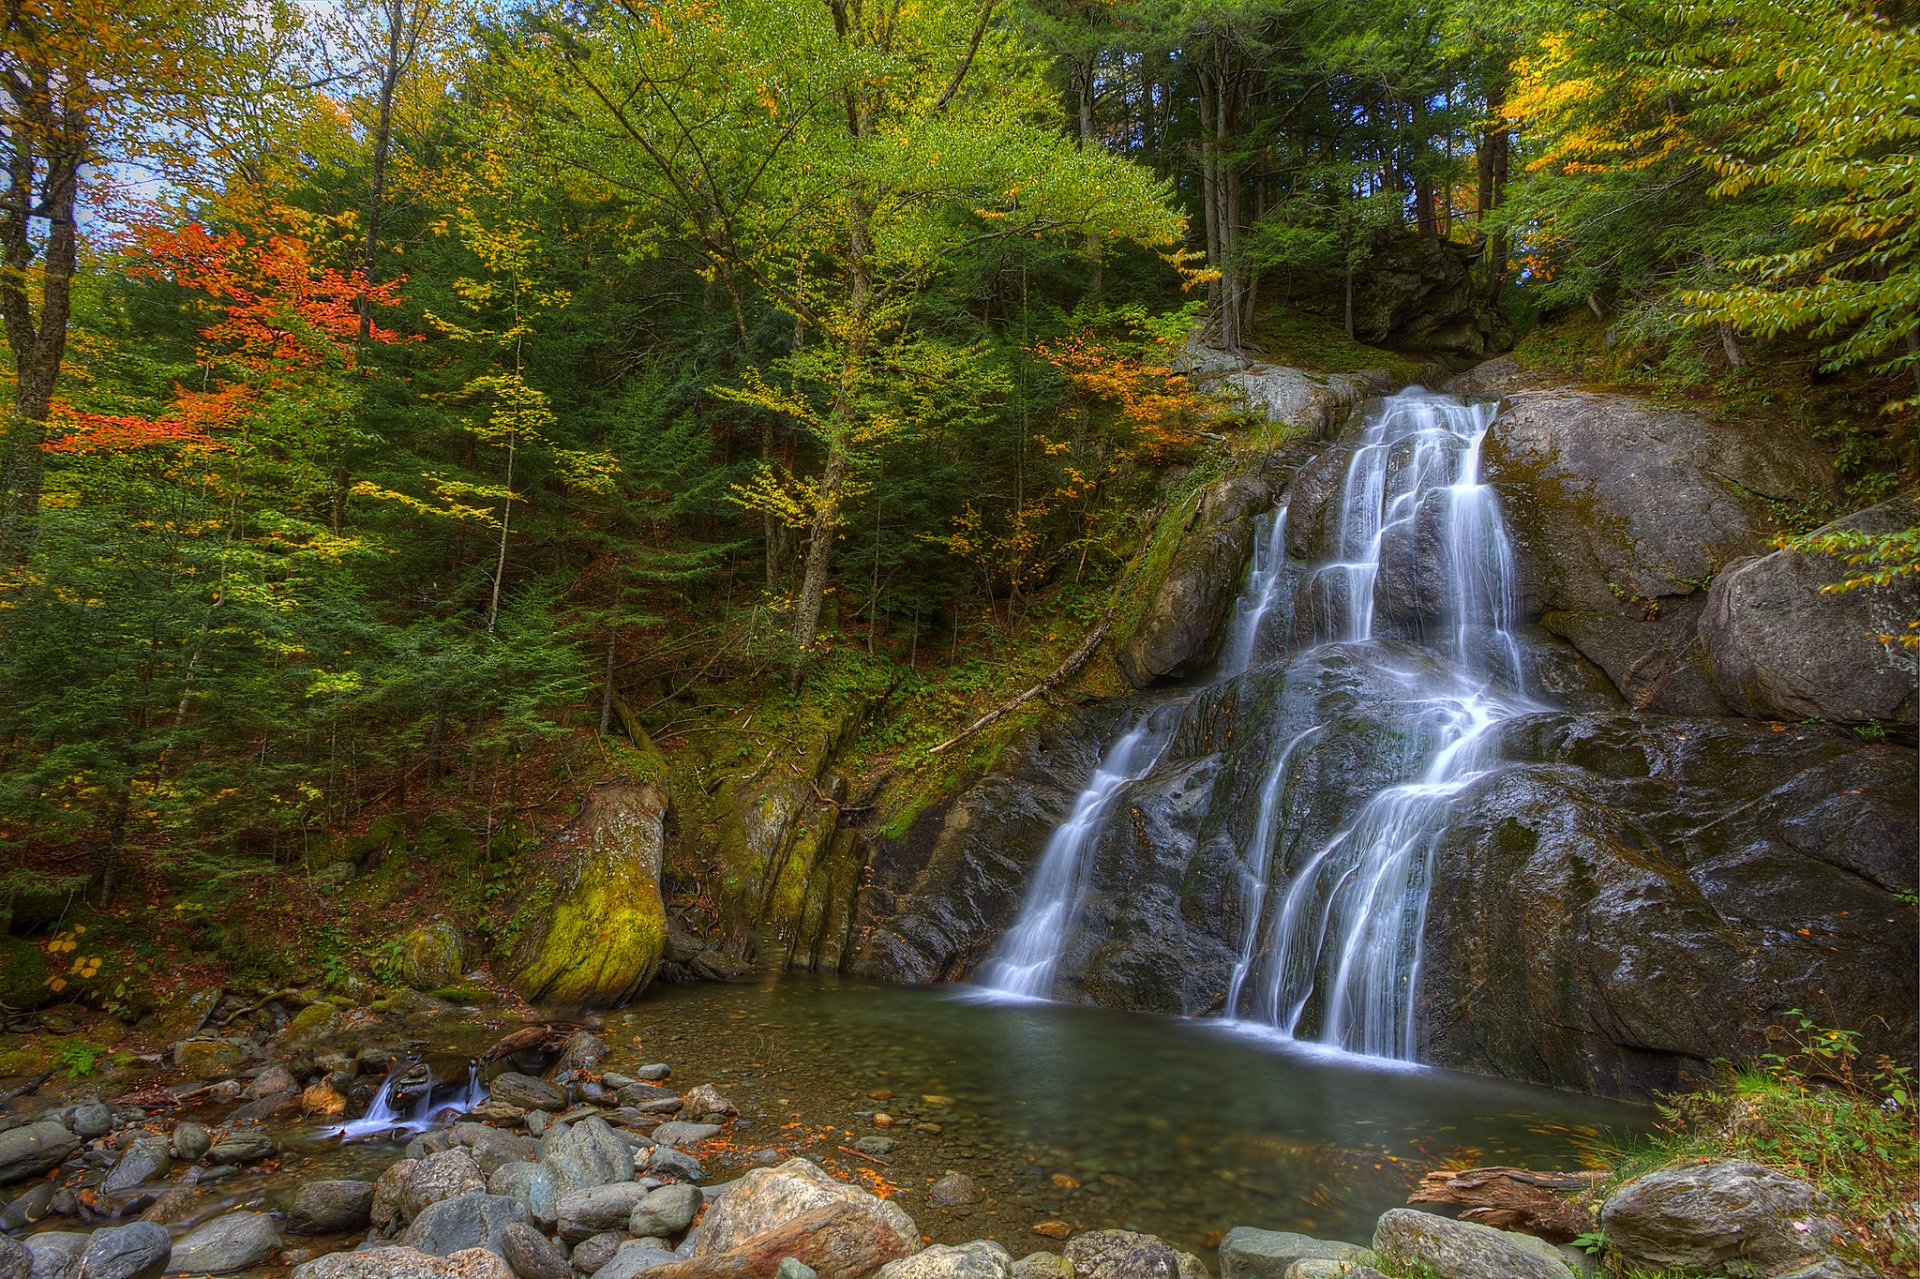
x,y
208,1058
311,1025
433,955
23,974
602,942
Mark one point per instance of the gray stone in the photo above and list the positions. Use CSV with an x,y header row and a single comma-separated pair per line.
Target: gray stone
x,y
31,1149
32,1205
1781,649
667,1161
473,1220
665,1212
654,1072
590,1255
794,1268
15,1261
1322,1268
331,1207
877,1146
241,1146
1179,628
635,1259
1247,1253
145,1160
389,1211
531,1255
707,1100
1125,1254
1729,1217
526,1092
445,1175
138,1251
585,1154
954,1189
404,1263
584,1213
797,1210
496,1146
1453,1249
532,1185
676,1133
191,1141
583,1051
271,1082
981,1259
92,1120
226,1244
55,1253
1043,1265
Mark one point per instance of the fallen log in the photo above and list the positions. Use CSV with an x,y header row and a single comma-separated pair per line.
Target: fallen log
x,y
1547,1204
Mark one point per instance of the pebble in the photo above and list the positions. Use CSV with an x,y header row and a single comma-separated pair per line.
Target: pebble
x,y
1052,1229
883,1120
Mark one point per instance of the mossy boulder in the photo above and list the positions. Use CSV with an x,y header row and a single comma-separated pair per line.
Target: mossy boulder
x,y
601,942
23,974
433,955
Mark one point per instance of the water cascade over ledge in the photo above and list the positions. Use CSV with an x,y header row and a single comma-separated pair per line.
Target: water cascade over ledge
x,y
1330,921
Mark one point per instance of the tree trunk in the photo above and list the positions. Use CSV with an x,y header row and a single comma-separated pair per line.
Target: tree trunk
x,y
398,51
813,582
1491,189
1083,79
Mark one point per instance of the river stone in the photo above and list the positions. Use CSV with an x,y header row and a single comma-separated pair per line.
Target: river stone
x,y
584,1213
1729,1217
526,1092
207,1058
532,1185
981,1259
472,1220
138,1251
1452,1249
31,1149
1323,1268
32,1205
55,1253
331,1207
531,1255
601,941
433,955
634,1259
1247,1253
496,1146
1780,649
707,1101
442,1176
953,1190
15,1261
226,1244
145,1160
1124,1254
191,1141
241,1146
404,1263
92,1119
668,1161
677,1133
591,1254
585,1154
389,1211
797,1210
1043,1265
665,1212
271,1082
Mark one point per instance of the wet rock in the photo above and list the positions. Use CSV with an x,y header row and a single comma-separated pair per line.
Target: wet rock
x,y
473,1220
55,1253
1247,1253
589,1255
433,955
954,1189
526,1092
1179,628
797,1210
684,1134
1416,293
584,1213
180,1203
271,1082
877,1146
1043,1265
665,1212
32,1205
667,1161
145,1160
190,1141
91,1120
794,1268
1316,402
981,1259
1729,1217
532,1185
653,1072
15,1261
1452,1249
1780,649
496,1146
583,1051
1123,1254
531,1255
389,1211
207,1058
31,1149
241,1146
707,1101
331,1207
582,1155
226,1244
138,1251
601,942
444,1175
404,1263
635,1258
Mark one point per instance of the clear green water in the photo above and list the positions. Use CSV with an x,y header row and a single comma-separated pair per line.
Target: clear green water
x,y
1101,1119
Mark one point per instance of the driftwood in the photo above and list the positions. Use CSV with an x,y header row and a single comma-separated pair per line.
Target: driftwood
x,y
1547,1204
1075,660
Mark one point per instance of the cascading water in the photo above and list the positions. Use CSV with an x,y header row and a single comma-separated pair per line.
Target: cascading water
x,y
1027,957
393,1112
1330,929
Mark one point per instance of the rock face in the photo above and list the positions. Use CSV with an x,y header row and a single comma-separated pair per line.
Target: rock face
x,y
1623,514
1450,1249
796,1210
601,943
1415,294
1729,1218
1779,649
1318,403
1180,626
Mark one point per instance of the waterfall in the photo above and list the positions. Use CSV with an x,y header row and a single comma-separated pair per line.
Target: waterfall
x,y
1024,963
391,1113
1417,587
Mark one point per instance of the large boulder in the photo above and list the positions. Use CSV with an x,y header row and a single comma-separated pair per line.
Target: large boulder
x,y
1623,513
1450,1249
981,1259
228,1243
1780,647
1314,402
1179,628
796,1210
138,1251
1730,1217
31,1149
443,1175
1247,1253
583,1214
601,942
23,974
433,955
330,1207
474,1220
1124,1254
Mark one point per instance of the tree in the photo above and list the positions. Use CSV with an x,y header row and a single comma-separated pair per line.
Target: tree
x,y
832,157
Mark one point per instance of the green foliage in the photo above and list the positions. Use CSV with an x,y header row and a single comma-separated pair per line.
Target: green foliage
x,y
79,1056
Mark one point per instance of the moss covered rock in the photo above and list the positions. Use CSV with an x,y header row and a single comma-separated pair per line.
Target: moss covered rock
x,y
601,942
23,974
433,955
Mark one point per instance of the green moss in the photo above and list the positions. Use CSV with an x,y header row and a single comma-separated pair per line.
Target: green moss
x,y
23,973
1309,342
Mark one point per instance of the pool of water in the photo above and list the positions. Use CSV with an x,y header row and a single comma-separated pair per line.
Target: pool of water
x,y
1180,1127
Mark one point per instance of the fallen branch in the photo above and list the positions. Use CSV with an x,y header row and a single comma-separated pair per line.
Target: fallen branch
x,y
1075,660
1546,1204
861,1154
